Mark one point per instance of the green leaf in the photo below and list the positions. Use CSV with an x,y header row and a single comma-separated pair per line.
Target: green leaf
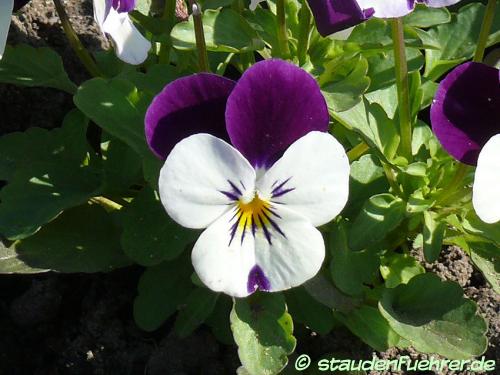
x,y
122,166
433,235
61,145
24,65
219,320
225,31
10,262
398,269
81,239
162,289
382,66
486,257
367,179
306,310
423,16
343,82
118,107
149,235
154,80
351,270
380,215
262,329
371,327
435,317
373,124
197,308
375,34
457,39
49,177
474,225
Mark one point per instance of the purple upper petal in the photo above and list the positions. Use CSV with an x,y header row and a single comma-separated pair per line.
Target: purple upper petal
x,y
273,104
123,6
187,106
333,15
466,110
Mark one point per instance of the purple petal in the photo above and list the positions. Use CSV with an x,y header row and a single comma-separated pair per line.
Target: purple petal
x,y
466,110
123,6
187,106
273,104
18,4
257,280
332,16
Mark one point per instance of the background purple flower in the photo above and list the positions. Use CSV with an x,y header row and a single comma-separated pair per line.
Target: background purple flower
x,y
465,113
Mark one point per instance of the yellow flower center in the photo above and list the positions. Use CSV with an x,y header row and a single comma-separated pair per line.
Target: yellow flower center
x,y
254,214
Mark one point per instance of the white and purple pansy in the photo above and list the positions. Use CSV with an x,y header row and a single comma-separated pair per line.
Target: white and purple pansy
x,y
465,117
113,19
252,162
332,16
6,9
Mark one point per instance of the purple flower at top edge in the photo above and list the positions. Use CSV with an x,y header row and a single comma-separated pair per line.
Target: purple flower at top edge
x,y
332,16
260,196
113,19
465,117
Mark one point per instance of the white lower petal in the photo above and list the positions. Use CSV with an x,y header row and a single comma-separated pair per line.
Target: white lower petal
x,y
486,189
313,175
387,8
221,266
130,44
293,255
285,254
6,7
195,174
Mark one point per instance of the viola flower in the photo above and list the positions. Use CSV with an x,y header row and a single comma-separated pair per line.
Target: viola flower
x,y
113,19
260,196
333,15
465,117
6,9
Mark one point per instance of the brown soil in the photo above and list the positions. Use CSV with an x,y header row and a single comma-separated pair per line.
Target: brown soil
x,y
82,324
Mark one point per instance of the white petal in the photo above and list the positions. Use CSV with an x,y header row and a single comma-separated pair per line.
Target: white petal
x,y
130,44
486,189
342,35
441,3
6,7
316,168
221,266
254,3
293,256
387,8
194,175
101,10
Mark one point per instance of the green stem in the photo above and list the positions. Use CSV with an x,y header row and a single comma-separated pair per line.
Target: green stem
x,y
402,87
357,151
169,18
391,178
489,14
284,50
304,32
108,204
200,37
75,42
